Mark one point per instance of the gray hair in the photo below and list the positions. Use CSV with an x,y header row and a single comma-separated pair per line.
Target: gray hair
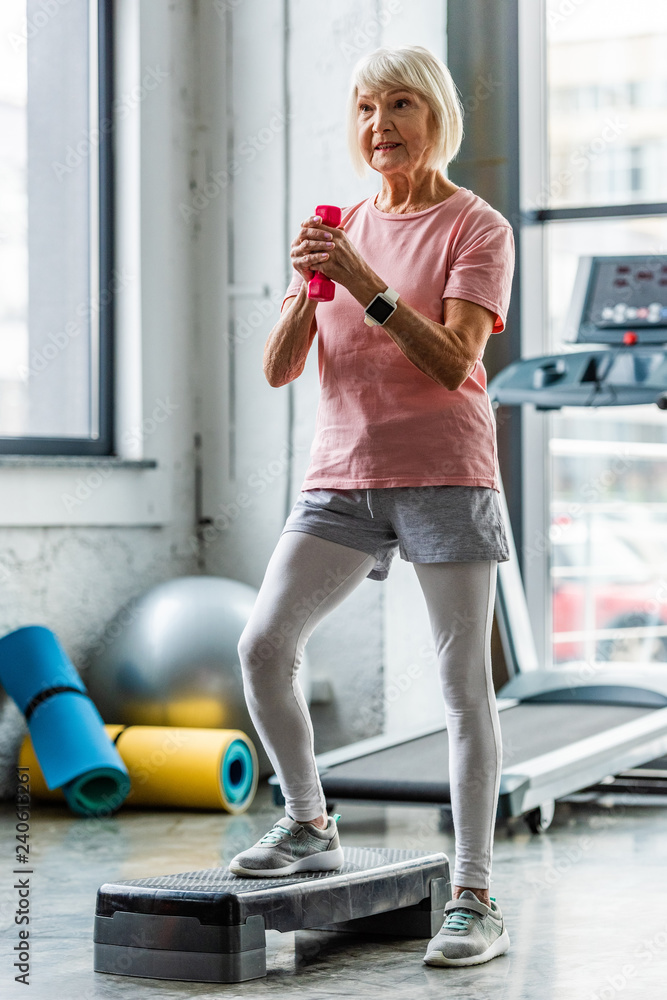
x,y
417,69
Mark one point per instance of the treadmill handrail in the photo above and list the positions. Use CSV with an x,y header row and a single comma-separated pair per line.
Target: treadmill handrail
x,y
653,723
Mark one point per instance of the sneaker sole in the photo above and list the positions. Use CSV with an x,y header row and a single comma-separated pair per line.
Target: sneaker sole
x,y
499,947
323,861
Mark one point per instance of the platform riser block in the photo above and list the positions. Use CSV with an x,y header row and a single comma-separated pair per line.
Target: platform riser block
x,y
209,925
422,920
194,967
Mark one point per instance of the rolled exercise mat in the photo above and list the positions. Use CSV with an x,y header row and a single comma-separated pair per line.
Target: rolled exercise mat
x,y
66,730
174,766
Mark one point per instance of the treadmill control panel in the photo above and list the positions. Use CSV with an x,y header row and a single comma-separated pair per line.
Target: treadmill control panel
x,y
619,304
614,297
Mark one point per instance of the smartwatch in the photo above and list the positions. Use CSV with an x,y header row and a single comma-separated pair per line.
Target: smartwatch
x,y
381,308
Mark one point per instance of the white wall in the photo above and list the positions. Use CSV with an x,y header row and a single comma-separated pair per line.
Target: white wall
x,y
294,109
72,566
211,263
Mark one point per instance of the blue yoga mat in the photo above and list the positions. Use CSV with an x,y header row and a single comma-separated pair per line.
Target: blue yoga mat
x,y
67,731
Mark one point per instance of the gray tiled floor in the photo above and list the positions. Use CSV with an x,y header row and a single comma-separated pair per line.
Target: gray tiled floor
x,y
585,905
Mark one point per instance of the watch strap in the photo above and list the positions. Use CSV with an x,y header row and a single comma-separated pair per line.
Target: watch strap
x,y
391,295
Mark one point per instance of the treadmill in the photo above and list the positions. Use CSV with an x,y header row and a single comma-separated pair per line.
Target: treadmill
x,y
563,732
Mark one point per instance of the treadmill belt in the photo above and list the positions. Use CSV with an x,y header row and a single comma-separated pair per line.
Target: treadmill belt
x,y
528,730
659,764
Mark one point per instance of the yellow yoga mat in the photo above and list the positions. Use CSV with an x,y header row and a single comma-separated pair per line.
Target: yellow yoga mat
x,y
170,766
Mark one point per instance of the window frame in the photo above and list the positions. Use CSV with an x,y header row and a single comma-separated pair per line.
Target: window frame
x,y
533,261
101,229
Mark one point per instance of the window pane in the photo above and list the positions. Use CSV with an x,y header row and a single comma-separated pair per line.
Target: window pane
x,y
47,315
608,511
606,102
13,223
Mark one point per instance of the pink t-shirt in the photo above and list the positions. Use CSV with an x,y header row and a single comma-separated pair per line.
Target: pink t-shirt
x,y
381,421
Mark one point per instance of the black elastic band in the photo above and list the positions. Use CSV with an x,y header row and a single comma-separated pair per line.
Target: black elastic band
x,y
48,693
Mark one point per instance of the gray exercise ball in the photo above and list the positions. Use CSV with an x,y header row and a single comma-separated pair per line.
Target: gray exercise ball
x,y
169,658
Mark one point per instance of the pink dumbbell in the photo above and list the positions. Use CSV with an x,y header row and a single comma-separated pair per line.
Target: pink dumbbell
x,y
320,287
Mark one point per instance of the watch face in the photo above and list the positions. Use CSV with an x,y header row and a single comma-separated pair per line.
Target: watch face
x,y
380,309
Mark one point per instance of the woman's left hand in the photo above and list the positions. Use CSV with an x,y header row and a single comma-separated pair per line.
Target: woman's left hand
x,y
344,262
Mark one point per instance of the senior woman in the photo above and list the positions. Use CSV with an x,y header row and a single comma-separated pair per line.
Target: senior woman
x,y
404,457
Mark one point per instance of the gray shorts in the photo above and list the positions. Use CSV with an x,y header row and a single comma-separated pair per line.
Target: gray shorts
x,y
425,523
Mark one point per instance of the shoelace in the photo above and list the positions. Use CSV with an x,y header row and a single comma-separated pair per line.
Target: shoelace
x,y
275,834
278,832
459,920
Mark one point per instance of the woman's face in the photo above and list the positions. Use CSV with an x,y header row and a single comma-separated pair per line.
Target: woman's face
x,y
394,116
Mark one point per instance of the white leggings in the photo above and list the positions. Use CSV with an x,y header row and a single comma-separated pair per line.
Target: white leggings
x,y
306,578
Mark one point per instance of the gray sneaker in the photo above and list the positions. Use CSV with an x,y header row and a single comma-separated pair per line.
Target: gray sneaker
x,y
291,847
472,933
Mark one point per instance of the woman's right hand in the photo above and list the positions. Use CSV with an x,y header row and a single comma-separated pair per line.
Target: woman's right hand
x,y
308,246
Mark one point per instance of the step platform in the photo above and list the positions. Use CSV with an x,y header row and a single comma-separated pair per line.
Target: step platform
x,y
209,926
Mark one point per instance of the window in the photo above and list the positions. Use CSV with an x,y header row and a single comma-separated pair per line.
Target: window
x,y
57,281
606,86
603,510
608,485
